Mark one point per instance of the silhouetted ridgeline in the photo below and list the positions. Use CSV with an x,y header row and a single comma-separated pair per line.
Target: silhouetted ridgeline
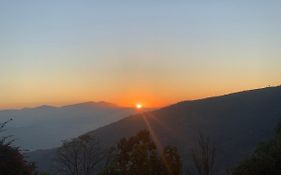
x,y
45,126
236,122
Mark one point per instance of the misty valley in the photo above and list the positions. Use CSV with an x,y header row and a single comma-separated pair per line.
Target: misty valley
x,y
216,135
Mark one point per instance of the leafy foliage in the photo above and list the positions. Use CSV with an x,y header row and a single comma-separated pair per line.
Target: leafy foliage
x,y
265,160
139,155
172,160
11,160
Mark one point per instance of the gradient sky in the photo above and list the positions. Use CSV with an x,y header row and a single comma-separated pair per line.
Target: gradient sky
x,y
61,51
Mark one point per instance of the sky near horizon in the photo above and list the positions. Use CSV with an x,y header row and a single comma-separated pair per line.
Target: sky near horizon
x,y
64,51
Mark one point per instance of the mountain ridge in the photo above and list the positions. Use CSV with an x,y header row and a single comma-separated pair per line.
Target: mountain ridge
x,y
86,103
41,127
236,122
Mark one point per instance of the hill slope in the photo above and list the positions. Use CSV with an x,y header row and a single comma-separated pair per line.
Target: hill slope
x,y
236,122
45,126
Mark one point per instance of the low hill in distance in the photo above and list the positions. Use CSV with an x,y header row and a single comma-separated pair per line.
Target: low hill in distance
x,y
46,126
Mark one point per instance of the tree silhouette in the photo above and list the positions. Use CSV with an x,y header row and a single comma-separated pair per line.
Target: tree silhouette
x,y
79,156
265,160
139,155
11,160
172,160
203,157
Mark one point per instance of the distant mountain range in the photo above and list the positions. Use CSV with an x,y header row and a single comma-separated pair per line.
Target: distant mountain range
x,y
46,126
235,122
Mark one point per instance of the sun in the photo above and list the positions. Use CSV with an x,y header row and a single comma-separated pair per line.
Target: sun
x,y
138,105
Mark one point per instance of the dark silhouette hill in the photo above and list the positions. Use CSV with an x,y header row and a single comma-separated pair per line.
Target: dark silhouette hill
x,y
46,126
235,122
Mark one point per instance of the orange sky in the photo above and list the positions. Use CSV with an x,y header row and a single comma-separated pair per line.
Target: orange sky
x,y
130,99
128,52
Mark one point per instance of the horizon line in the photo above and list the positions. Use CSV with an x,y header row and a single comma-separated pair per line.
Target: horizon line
x,y
124,106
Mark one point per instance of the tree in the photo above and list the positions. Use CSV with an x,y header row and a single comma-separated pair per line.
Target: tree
x,y
203,156
11,160
139,155
79,156
172,160
265,160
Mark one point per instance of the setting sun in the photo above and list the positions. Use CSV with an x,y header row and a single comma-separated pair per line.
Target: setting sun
x,y
138,106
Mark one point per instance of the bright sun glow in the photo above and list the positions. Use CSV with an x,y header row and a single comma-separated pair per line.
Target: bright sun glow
x,y
138,106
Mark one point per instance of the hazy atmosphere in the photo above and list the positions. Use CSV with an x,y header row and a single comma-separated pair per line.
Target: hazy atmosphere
x,y
140,87
125,52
